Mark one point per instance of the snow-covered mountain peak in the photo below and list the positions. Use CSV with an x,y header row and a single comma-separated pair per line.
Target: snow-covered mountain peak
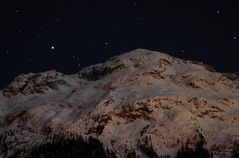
x,y
139,60
122,101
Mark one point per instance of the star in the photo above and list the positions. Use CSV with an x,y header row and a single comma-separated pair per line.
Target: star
x,y
218,11
234,37
58,19
52,47
106,43
29,59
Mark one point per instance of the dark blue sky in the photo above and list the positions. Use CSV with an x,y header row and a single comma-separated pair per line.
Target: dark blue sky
x,y
68,35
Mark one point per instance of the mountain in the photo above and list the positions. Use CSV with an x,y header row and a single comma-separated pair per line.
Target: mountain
x,y
122,102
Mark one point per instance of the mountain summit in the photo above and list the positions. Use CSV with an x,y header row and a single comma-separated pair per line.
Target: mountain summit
x,y
135,96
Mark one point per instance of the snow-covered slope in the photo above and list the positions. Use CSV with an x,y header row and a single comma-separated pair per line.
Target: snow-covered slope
x,y
137,94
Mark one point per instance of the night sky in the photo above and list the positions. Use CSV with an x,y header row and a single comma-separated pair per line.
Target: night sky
x,y
68,35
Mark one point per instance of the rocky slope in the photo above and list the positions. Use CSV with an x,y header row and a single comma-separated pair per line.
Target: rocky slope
x,y
130,97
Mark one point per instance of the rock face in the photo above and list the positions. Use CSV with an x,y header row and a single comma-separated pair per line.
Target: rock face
x,y
124,100
34,84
